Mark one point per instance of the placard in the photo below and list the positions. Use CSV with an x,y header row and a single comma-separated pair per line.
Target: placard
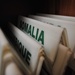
x,y
67,18
49,36
70,27
3,43
29,50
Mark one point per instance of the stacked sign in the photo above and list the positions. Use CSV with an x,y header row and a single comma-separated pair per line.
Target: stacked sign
x,y
30,51
67,18
35,45
49,36
69,25
6,56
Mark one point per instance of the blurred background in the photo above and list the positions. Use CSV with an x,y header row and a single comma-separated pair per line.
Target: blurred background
x,y
11,9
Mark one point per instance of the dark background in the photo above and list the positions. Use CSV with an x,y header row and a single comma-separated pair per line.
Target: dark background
x,y
11,9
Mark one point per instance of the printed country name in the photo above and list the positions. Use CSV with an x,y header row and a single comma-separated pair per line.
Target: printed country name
x,y
19,47
31,30
23,51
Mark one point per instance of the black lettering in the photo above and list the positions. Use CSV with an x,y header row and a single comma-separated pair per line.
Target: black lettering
x,y
20,46
28,58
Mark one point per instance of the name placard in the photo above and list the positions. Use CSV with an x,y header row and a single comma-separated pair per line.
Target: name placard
x,y
28,48
3,43
67,18
70,27
49,36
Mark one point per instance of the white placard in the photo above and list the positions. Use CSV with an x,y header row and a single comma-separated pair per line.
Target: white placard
x,y
28,48
3,43
67,18
49,36
12,69
70,27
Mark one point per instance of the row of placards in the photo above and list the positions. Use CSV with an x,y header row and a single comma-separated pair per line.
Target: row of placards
x,y
8,57
69,25
37,41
